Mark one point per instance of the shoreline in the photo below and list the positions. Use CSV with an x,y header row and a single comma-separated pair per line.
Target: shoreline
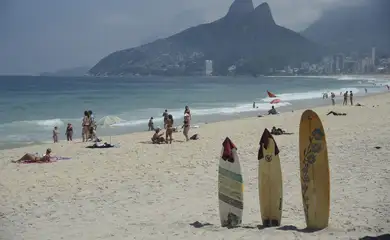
x,y
143,191
215,118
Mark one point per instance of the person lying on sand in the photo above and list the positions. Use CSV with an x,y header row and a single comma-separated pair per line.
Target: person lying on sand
x,y
336,113
33,158
158,137
278,131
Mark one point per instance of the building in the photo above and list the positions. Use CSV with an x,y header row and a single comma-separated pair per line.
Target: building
x,y
209,67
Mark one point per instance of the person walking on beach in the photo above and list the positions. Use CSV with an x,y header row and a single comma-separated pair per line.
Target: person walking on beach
x,y
332,96
55,134
169,131
365,90
69,132
165,115
186,125
351,97
345,102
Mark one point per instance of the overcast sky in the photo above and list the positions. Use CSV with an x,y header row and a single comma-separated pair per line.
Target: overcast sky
x,y
47,35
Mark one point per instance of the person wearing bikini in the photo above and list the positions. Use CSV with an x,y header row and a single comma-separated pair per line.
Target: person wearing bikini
x,y
186,125
169,131
69,132
33,158
86,124
187,111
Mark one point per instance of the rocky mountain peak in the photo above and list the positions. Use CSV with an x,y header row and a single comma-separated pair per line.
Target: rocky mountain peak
x,y
263,14
240,7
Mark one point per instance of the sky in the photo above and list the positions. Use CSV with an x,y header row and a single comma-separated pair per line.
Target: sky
x,y
47,35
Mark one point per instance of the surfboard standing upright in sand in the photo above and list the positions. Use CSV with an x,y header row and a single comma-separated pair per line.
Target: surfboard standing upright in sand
x,y
270,181
314,168
230,186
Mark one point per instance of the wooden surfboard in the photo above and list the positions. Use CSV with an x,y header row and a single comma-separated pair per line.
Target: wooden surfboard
x,y
270,181
314,168
230,186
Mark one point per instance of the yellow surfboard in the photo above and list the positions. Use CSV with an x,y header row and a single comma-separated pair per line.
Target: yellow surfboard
x,y
270,181
314,168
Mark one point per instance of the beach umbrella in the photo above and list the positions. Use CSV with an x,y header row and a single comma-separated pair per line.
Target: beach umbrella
x,y
109,121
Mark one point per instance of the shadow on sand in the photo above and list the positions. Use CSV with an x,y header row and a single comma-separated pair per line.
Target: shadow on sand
x,y
198,224
293,228
381,237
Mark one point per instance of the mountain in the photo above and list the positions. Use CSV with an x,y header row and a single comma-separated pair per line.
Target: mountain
x,y
68,72
354,28
246,37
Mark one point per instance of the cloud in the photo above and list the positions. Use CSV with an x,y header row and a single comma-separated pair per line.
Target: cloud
x,y
46,35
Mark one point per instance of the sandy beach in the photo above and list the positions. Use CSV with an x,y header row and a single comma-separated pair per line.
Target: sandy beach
x,y
145,191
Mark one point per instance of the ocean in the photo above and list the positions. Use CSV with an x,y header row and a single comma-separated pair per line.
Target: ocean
x,y
30,106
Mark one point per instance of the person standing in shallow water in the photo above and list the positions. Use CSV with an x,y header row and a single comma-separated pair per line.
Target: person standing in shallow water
x,y
345,102
332,96
351,97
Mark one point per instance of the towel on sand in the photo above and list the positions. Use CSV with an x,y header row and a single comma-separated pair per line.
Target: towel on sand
x,y
264,141
105,145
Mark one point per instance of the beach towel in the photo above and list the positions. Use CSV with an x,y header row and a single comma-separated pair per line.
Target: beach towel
x,y
28,162
228,146
105,145
60,158
265,141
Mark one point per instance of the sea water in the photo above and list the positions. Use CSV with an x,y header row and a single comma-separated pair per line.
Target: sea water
x,y
31,106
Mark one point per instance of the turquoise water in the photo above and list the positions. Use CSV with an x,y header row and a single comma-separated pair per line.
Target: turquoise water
x,y
31,106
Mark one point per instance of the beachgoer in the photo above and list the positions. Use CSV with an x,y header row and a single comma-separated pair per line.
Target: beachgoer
x,y
351,97
272,111
69,132
92,127
332,95
366,90
187,110
169,127
85,124
186,125
55,134
345,102
254,104
158,137
277,131
151,124
165,115
34,158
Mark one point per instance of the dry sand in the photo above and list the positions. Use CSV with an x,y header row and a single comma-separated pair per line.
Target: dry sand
x,y
144,191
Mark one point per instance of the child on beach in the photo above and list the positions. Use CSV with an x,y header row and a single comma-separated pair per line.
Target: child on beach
x,y
55,134
69,132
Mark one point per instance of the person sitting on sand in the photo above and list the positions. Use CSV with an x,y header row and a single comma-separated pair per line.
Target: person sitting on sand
x,y
158,137
272,111
32,158
336,113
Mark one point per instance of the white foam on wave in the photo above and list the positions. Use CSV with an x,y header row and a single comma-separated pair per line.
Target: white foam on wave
x,y
307,95
209,111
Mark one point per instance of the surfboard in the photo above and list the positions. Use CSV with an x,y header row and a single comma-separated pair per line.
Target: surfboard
x,y
314,168
270,181
230,186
